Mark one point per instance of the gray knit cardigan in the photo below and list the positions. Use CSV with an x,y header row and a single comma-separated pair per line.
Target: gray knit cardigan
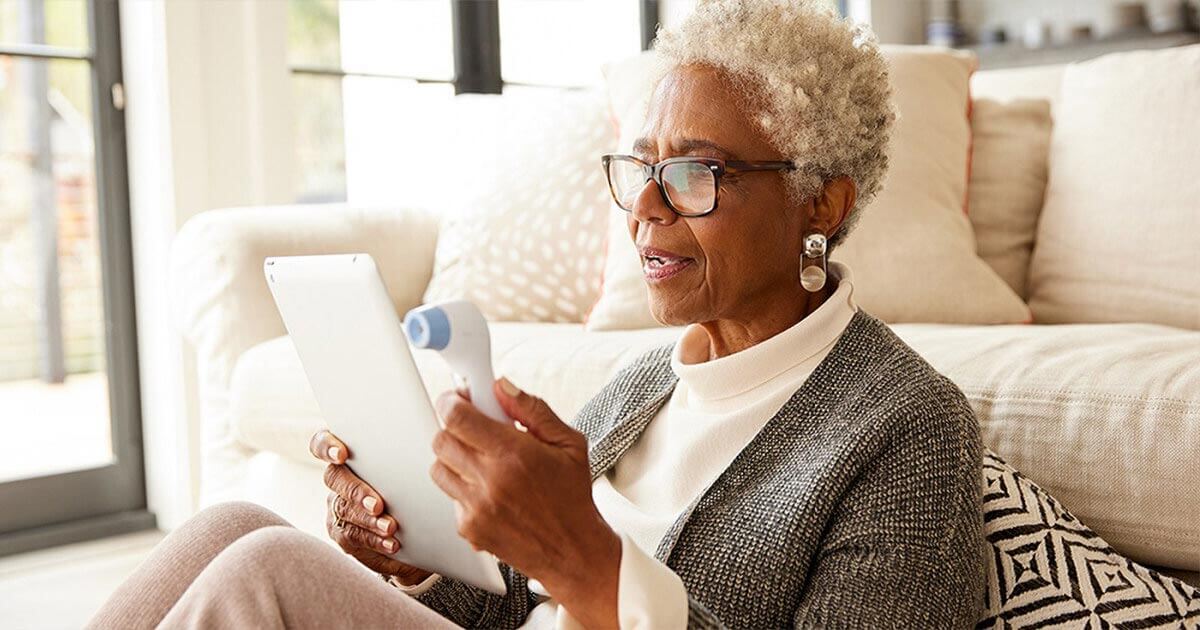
x,y
858,505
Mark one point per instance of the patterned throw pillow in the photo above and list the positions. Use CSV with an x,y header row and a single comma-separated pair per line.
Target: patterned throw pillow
x,y
1047,570
522,235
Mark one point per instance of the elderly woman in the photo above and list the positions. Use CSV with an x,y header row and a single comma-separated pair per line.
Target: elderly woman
x,y
788,462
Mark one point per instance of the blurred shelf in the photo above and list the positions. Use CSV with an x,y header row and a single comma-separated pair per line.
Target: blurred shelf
x,y
1015,55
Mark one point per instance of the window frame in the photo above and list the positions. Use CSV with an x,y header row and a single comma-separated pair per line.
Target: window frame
x,y
475,42
111,499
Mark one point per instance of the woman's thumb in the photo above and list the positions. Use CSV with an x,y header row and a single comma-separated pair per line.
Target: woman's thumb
x,y
531,411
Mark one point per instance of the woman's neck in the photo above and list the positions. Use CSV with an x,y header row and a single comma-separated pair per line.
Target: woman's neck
x,y
764,320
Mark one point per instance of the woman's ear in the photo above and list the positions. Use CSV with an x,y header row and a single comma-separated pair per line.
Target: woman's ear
x,y
833,205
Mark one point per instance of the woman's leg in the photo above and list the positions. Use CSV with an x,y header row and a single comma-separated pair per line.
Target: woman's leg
x,y
144,599
279,577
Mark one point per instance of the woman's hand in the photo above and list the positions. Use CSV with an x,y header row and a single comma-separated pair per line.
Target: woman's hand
x,y
366,532
526,496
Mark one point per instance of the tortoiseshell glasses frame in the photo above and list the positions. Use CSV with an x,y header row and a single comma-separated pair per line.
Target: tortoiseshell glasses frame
x,y
691,187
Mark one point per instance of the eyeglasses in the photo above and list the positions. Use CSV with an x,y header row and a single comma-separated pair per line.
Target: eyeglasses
x,y
688,185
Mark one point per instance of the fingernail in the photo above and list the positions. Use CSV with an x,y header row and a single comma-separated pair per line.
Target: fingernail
x,y
390,545
382,524
369,503
508,387
334,452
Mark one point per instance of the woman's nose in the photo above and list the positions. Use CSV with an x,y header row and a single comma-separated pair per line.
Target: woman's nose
x,y
651,207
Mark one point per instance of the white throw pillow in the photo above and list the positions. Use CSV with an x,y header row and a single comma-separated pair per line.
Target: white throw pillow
x,y
913,252
1010,151
523,233
1119,237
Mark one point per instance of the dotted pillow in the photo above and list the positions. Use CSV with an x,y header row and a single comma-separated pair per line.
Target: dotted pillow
x,y
523,233
1048,570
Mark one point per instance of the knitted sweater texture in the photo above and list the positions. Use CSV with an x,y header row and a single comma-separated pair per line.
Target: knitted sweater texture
x,y
858,505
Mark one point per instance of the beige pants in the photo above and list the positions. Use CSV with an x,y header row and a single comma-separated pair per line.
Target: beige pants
x,y
238,565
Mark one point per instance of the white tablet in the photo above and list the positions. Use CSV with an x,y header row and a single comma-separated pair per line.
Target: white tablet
x,y
358,363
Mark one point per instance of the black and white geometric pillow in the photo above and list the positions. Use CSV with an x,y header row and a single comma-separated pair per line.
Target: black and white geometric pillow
x,y
1048,570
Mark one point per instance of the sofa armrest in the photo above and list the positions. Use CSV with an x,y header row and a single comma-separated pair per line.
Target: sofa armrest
x,y
220,299
222,305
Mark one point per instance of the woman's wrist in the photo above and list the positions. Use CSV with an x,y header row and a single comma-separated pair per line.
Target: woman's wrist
x,y
410,578
587,585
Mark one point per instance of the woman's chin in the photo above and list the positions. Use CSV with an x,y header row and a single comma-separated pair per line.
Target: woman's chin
x,y
668,314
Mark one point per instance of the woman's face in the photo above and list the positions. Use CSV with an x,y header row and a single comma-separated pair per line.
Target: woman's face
x,y
745,255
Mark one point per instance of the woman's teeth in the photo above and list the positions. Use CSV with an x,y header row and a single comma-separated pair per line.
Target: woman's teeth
x,y
657,268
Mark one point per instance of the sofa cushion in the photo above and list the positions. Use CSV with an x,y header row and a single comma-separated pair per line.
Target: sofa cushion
x,y
524,236
1010,149
1119,236
1105,417
1048,568
1031,82
274,409
913,252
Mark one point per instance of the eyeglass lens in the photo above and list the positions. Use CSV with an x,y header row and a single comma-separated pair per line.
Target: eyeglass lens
x,y
627,180
690,186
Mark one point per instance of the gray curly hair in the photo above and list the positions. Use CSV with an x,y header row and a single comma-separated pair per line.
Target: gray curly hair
x,y
815,84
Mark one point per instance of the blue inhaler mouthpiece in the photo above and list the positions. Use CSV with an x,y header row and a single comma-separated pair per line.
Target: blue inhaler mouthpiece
x,y
427,327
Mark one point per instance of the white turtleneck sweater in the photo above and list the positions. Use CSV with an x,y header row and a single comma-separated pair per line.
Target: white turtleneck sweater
x,y
716,408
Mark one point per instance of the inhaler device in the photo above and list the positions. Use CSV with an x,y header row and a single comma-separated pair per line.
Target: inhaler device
x,y
458,331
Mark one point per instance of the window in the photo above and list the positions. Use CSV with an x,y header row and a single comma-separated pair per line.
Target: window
x,y
371,77
68,370
358,68
565,43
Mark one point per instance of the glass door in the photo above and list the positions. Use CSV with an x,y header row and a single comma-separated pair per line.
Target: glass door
x,y
72,467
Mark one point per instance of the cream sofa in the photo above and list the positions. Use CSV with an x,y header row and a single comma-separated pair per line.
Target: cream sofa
x,y
1104,416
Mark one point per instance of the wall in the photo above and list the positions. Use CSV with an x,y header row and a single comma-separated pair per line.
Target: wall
x,y
894,22
207,121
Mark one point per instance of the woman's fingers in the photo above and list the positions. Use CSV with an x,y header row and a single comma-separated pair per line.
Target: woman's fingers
x,y
351,536
326,447
356,491
383,525
451,451
449,481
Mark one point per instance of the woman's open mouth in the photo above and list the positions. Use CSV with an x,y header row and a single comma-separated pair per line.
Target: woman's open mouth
x,y
658,265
